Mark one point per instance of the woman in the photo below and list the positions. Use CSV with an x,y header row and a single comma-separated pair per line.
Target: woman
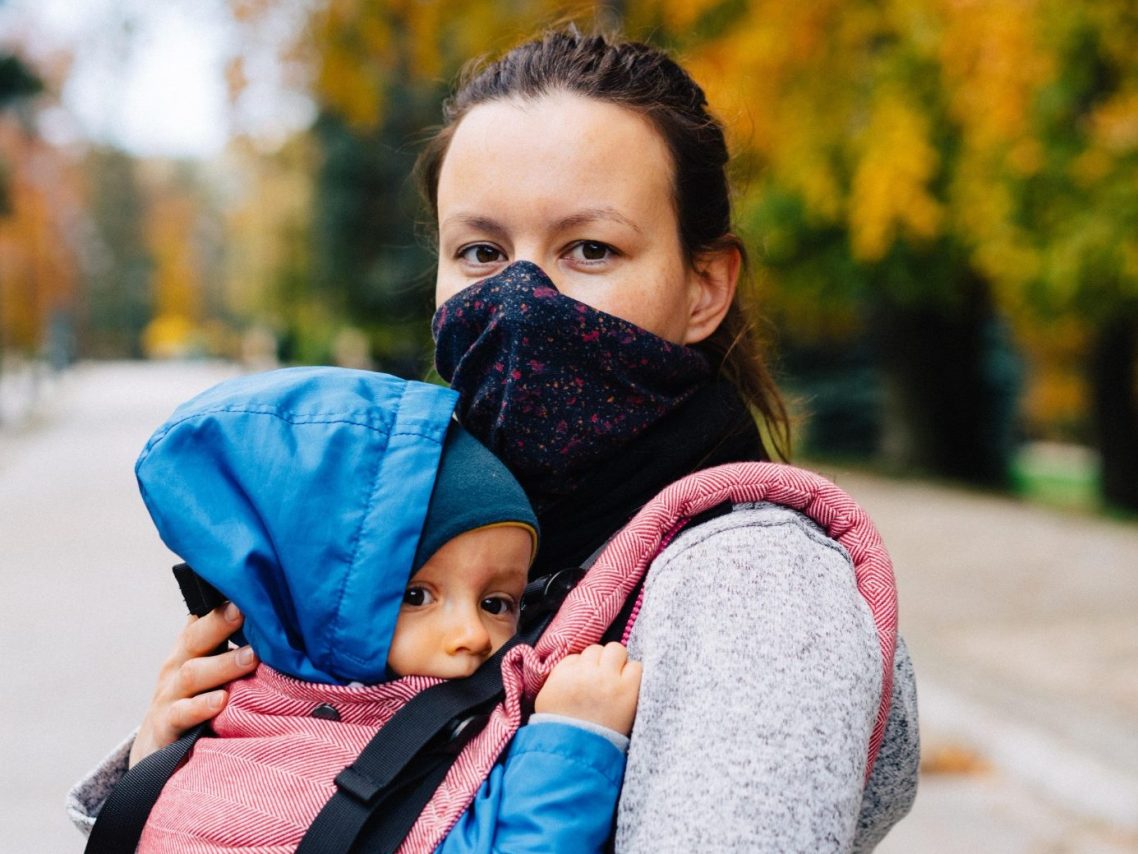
x,y
589,318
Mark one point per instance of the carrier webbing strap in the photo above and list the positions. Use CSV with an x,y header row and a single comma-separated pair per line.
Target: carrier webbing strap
x,y
399,769
379,796
120,822
382,831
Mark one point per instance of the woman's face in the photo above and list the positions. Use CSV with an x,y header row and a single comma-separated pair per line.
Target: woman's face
x,y
583,189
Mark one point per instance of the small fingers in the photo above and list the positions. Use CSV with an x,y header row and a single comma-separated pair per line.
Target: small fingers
x,y
632,674
591,654
613,655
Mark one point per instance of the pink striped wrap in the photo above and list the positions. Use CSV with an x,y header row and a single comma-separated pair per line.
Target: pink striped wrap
x,y
272,770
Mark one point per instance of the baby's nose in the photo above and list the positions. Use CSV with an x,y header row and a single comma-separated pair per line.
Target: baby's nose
x,y
468,635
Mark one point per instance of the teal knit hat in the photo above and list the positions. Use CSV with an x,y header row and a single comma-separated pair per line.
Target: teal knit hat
x,y
473,489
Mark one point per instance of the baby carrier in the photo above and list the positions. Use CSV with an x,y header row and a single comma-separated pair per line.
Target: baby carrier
x,y
389,766
420,772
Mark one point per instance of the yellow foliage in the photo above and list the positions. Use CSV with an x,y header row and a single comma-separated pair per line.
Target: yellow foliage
x,y
993,64
1115,123
176,280
1091,167
38,254
267,222
170,336
890,184
249,10
678,15
1026,156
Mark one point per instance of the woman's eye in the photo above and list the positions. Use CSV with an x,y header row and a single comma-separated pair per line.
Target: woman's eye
x,y
497,605
416,597
592,251
481,253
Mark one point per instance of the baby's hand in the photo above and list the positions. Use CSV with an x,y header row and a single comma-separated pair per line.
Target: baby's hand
x,y
599,685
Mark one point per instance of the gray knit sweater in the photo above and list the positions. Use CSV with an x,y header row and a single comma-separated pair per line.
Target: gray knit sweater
x,y
762,677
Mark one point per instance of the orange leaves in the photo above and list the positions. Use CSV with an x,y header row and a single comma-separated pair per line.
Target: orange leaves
x,y
39,259
1114,125
363,49
993,66
890,183
679,15
356,52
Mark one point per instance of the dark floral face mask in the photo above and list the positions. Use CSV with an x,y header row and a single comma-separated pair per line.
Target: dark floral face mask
x,y
550,385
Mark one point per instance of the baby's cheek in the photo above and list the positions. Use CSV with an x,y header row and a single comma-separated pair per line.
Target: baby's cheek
x,y
500,634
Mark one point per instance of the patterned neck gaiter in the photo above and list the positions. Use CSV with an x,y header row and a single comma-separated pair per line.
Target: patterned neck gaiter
x,y
550,385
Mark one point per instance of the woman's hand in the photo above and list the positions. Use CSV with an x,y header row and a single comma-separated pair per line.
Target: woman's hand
x,y
189,684
599,684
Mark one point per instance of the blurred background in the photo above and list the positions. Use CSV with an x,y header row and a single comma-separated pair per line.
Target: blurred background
x,y
940,198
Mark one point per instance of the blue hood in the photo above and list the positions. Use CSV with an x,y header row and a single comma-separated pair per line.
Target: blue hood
x,y
300,494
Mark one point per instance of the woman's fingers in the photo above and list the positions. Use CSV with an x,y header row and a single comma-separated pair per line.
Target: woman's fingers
x,y
188,693
205,634
190,683
191,711
165,723
205,673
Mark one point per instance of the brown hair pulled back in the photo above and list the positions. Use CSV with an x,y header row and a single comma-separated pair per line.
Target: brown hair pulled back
x,y
644,79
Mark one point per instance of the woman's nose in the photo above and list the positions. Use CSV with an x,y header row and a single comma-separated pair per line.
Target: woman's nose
x,y
467,634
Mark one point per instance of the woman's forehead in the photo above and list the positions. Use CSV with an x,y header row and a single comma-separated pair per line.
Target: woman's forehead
x,y
557,156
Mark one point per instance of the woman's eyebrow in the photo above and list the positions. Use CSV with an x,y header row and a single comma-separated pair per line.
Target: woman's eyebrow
x,y
590,215
478,223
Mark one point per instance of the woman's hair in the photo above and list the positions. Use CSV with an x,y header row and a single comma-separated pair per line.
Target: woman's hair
x,y
644,79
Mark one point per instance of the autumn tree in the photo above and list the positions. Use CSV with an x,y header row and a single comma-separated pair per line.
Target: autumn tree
x,y
378,73
917,170
39,220
118,301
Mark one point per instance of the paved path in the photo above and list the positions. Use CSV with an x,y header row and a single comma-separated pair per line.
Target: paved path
x,y
1023,627
90,608
1021,623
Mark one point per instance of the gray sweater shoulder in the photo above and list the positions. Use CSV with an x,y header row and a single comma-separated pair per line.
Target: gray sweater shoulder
x,y
762,678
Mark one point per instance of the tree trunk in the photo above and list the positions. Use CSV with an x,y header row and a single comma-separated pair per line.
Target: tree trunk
x,y
1114,406
950,386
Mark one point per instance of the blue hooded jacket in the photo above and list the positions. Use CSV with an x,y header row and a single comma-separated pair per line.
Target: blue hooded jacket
x,y
301,494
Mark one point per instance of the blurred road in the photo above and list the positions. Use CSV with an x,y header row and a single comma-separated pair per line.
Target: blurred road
x,y
1021,623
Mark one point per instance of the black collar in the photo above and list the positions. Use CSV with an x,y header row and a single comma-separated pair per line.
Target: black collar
x,y
713,427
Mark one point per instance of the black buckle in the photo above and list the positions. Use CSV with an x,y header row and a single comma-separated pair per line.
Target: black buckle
x,y
461,733
543,596
359,786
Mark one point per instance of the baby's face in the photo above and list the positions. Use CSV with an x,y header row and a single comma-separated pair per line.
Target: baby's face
x,y
462,605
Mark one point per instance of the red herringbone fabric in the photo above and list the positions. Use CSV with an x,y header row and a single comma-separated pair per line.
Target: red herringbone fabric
x,y
596,601
258,787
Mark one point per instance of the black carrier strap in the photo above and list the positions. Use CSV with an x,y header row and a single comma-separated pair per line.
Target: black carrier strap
x,y
374,804
120,822
380,795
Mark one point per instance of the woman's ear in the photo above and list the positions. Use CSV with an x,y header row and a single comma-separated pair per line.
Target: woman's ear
x,y
712,280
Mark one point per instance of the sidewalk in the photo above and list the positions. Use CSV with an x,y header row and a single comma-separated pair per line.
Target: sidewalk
x,y
1023,627
1022,624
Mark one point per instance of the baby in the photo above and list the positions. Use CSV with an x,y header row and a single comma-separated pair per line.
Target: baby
x,y
370,542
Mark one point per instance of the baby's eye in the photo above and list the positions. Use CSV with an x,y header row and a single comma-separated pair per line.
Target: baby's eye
x,y
497,605
417,597
481,253
591,251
